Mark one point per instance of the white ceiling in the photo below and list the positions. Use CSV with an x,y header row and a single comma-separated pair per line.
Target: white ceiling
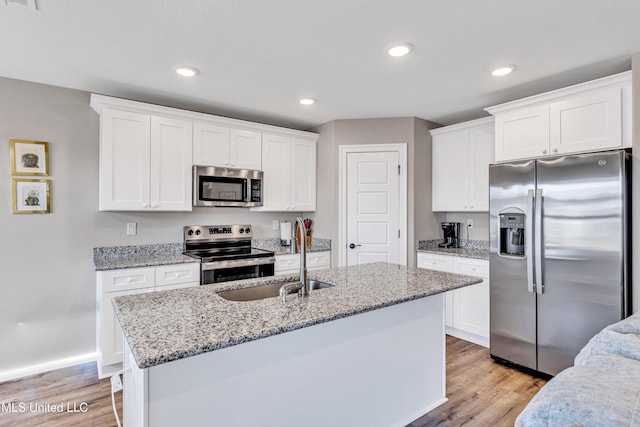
x,y
257,57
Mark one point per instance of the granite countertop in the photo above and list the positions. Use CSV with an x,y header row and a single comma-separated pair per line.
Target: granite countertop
x,y
317,245
120,257
171,325
478,249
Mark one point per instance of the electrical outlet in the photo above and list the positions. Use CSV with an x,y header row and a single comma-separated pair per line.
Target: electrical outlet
x,y
132,228
116,383
275,224
469,223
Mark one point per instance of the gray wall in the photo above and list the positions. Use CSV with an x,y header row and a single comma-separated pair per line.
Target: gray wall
x,y
47,308
635,227
408,130
480,229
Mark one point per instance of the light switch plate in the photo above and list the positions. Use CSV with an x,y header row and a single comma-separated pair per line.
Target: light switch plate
x,y
132,228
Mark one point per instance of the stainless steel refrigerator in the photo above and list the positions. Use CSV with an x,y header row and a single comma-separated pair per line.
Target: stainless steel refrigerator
x,y
559,232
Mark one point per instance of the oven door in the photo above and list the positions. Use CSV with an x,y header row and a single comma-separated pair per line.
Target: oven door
x,y
239,269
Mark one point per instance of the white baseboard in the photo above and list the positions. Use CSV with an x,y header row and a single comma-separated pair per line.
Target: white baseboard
x,y
467,336
46,367
420,413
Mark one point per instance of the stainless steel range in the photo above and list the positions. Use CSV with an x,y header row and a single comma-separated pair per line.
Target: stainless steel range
x,y
226,254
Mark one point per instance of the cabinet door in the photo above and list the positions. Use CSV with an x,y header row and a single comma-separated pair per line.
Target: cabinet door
x,y
303,176
245,149
585,123
451,171
471,309
522,133
471,303
124,160
276,161
171,160
440,263
111,331
481,145
211,145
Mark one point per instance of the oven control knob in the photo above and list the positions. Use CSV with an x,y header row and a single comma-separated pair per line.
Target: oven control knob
x,y
248,230
190,232
241,230
198,232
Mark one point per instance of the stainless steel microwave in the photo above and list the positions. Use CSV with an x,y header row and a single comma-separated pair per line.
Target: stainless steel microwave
x,y
219,186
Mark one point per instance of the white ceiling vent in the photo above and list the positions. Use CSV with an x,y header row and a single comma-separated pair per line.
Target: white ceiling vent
x,y
29,4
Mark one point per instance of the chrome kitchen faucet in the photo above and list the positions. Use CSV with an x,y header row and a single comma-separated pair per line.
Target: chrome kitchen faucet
x,y
303,286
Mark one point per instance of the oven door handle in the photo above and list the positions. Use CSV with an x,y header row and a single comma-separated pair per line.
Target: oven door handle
x,y
237,263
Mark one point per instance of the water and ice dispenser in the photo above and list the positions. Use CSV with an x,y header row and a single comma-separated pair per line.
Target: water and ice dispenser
x,y
512,234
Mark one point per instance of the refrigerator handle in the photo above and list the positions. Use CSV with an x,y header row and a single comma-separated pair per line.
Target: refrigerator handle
x,y
528,242
538,242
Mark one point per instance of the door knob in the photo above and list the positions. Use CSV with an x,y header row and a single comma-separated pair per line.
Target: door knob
x,y
353,245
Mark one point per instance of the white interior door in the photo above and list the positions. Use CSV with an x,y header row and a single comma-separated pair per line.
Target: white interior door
x,y
372,211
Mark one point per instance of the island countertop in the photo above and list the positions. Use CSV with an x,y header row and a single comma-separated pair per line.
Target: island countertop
x,y
164,326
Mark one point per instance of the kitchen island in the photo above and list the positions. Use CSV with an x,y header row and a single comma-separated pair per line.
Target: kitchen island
x,y
368,351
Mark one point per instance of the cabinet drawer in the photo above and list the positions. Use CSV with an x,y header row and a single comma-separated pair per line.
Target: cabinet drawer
x,y
318,260
176,274
287,263
435,262
125,280
472,267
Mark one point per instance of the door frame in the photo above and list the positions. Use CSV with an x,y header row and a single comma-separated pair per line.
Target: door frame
x,y
344,151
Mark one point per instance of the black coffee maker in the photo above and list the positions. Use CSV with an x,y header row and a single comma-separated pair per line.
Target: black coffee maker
x,y
451,232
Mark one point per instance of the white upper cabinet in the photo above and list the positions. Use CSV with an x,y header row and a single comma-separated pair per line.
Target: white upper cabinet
x,y
145,162
461,157
586,123
289,166
215,145
587,117
211,144
147,153
522,133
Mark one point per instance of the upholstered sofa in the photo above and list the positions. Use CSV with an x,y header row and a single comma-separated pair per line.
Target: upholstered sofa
x,y
601,389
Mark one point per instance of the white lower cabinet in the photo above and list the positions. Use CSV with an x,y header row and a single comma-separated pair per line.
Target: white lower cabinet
x,y
467,309
116,283
290,263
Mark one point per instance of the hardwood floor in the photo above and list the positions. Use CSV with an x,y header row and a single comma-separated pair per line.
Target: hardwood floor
x,y
76,388
480,393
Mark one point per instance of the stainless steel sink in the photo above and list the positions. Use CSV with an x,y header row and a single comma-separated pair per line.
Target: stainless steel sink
x,y
266,291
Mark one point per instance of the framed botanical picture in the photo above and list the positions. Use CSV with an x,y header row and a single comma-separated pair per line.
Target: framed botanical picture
x,y
31,196
29,157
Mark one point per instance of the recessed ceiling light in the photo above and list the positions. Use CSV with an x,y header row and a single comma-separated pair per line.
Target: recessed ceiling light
x,y
503,71
399,49
308,101
187,71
